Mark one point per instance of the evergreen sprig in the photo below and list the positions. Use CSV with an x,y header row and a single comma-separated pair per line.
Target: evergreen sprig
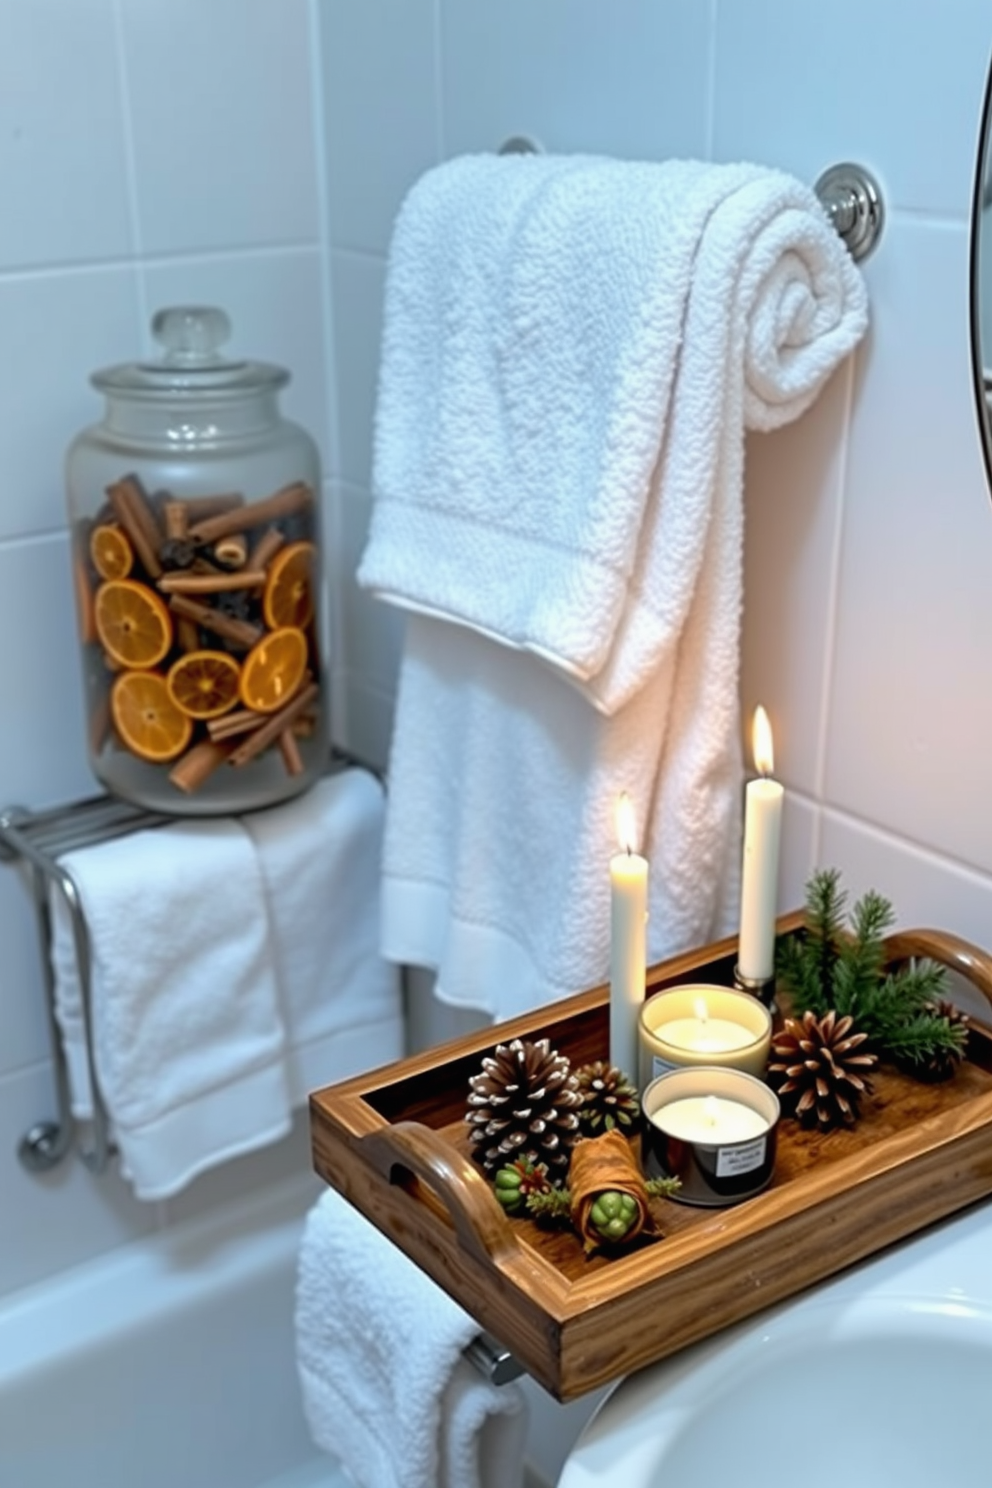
x,y
840,963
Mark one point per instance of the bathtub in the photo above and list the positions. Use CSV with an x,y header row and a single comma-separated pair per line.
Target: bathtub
x,y
165,1364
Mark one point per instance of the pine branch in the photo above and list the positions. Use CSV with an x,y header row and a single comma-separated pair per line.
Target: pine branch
x,y
825,905
861,956
831,965
925,1035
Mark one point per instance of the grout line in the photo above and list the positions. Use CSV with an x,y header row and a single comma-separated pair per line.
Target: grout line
x,y
833,602
160,260
710,127
438,89
322,188
131,169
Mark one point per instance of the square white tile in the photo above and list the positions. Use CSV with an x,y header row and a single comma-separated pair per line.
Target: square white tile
x,y
924,889
63,161
222,122
911,709
372,631
378,68
358,283
786,75
792,507
43,758
57,330
629,79
23,1019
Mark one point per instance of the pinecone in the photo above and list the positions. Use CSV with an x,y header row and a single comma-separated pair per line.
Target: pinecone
x,y
524,1105
609,1098
820,1070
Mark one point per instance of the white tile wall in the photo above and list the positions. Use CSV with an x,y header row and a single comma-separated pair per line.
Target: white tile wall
x,y
148,154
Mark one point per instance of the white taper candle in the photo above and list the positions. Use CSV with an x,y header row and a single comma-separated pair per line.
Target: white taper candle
x,y
628,942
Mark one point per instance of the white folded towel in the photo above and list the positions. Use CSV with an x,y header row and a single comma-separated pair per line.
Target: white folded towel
x,y
571,349
320,857
187,1034
234,968
385,1387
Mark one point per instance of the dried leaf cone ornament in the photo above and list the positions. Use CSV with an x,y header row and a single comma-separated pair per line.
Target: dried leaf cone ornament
x,y
819,1069
524,1104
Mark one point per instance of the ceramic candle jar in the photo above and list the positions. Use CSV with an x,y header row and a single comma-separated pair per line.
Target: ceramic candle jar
x,y
714,1129
699,1024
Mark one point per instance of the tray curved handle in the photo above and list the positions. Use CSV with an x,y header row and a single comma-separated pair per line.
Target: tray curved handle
x,y
948,950
480,1224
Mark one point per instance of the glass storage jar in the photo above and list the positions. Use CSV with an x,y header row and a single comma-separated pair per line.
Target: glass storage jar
x,y
194,509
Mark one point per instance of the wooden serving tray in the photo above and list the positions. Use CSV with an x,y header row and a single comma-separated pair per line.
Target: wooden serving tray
x,y
394,1142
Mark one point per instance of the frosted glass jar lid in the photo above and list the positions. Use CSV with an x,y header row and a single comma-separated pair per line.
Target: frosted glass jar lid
x,y
192,364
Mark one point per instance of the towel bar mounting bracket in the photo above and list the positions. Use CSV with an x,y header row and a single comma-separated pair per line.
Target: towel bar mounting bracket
x,y
852,200
34,841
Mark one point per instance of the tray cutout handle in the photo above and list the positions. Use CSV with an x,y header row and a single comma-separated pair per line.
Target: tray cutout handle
x,y
949,950
480,1224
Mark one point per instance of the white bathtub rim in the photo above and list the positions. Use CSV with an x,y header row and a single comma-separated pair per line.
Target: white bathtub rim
x,y
123,1290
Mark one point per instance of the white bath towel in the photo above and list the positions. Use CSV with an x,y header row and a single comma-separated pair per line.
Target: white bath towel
x,y
379,1354
320,858
571,349
187,1033
234,968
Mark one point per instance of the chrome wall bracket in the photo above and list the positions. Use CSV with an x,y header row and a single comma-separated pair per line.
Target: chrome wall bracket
x,y
851,198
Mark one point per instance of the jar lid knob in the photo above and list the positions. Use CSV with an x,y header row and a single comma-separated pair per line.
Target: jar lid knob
x,y
191,334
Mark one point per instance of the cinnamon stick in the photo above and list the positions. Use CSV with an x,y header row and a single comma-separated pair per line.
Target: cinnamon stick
x,y
176,515
290,751
262,737
188,635
232,551
238,632
201,507
265,549
209,583
284,503
131,508
85,617
230,724
197,765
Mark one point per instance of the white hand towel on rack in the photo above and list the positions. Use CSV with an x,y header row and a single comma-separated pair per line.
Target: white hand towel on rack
x,y
385,1387
572,349
320,858
187,1035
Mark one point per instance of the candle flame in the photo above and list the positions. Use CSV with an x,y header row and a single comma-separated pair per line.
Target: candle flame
x,y
761,742
700,1009
711,1110
625,822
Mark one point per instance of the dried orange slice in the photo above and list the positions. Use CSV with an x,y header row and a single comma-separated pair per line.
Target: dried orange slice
x,y
146,718
204,684
132,622
288,597
273,669
111,551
